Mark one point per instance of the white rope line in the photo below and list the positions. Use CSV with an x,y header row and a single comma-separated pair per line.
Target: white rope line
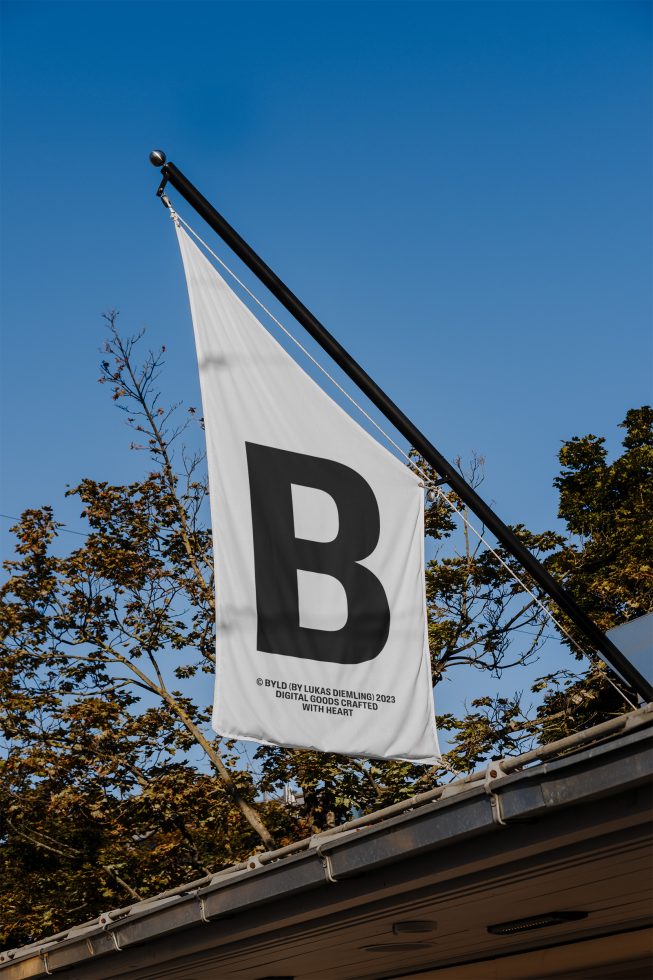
x,y
297,343
415,467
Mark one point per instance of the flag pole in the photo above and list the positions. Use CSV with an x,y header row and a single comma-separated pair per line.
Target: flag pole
x,y
449,474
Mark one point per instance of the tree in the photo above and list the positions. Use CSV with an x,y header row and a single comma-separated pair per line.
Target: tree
x,y
113,786
605,562
102,732
608,509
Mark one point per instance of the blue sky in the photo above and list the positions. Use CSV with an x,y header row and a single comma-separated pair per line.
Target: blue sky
x,y
460,191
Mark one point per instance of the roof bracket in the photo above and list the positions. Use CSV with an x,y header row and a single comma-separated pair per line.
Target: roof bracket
x,y
328,869
316,845
493,774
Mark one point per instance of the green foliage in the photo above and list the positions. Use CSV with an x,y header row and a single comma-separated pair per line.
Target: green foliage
x,y
608,509
113,786
606,562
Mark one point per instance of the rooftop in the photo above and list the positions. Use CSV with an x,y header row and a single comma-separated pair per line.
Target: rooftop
x,y
536,866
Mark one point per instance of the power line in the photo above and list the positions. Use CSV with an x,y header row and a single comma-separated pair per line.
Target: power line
x,y
61,527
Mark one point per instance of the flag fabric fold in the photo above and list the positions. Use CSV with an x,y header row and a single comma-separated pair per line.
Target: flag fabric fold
x,y
321,638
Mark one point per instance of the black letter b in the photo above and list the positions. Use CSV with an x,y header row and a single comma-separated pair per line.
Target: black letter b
x,y
278,554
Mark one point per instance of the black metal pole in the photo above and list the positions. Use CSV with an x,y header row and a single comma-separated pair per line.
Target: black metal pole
x,y
402,423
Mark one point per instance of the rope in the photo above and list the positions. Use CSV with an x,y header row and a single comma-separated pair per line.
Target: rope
x,y
428,483
179,220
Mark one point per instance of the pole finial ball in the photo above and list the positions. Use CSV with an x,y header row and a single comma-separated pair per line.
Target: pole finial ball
x,y
157,158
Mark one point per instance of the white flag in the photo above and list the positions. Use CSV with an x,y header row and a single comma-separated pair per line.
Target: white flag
x,y
318,543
